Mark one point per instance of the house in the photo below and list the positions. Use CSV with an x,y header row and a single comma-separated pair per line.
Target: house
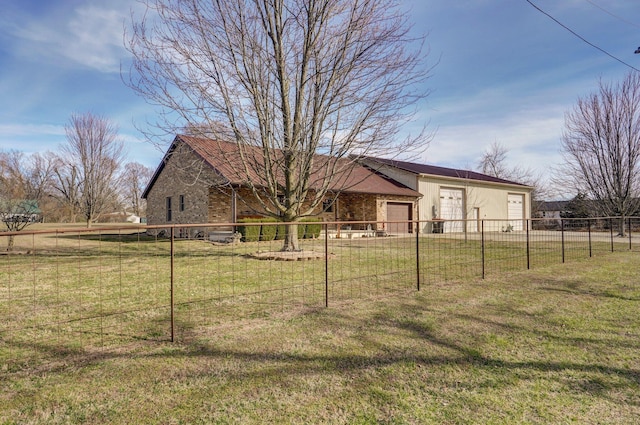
x,y
198,182
552,210
24,211
451,196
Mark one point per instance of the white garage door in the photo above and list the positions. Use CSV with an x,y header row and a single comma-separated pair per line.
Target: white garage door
x,y
516,211
451,209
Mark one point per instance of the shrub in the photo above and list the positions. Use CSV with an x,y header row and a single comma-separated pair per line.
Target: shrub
x,y
309,228
268,232
250,233
281,231
313,228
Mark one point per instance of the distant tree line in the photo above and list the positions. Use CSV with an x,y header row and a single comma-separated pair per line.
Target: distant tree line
x,y
85,181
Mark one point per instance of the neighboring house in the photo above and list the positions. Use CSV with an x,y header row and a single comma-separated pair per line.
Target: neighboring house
x,y
454,195
552,210
195,183
26,211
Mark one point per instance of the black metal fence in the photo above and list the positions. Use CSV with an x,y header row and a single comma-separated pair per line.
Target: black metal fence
x,y
71,290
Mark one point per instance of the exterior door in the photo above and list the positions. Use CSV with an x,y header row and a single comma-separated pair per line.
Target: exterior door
x,y
401,213
452,209
516,211
474,224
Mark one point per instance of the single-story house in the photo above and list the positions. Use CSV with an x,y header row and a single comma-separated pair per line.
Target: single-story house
x,y
196,182
552,209
452,195
24,211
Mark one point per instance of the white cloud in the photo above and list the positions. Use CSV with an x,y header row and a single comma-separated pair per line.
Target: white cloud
x,y
530,132
89,35
28,130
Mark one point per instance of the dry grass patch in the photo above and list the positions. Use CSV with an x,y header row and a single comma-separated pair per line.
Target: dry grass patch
x,y
554,345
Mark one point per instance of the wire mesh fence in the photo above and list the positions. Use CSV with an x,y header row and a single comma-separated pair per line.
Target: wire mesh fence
x,y
76,291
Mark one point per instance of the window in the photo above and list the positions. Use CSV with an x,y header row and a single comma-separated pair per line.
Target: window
x,y
327,205
181,202
168,208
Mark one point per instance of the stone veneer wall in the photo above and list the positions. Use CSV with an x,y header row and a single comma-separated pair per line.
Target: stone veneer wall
x,y
183,174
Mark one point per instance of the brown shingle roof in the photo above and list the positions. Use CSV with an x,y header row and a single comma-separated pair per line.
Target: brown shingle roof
x,y
225,159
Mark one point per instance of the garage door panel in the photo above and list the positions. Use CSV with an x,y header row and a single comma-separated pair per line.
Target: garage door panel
x,y
400,213
516,211
452,209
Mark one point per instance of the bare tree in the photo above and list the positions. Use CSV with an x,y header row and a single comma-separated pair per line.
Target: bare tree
x,y
601,147
494,163
91,159
24,182
133,180
68,188
291,77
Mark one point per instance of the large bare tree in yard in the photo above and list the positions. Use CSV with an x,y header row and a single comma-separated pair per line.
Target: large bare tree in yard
x,y
294,78
89,165
601,147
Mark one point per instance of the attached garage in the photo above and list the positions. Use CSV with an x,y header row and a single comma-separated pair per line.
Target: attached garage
x,y
452,209
450,196
516,211
401,214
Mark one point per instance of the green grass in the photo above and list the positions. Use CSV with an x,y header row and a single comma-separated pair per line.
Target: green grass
x,y
85,331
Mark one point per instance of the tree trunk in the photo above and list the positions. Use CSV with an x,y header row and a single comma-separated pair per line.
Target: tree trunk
x,y
291,239
10,243
621,227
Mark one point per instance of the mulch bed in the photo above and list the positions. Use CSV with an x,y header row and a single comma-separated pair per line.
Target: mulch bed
x,y
289,255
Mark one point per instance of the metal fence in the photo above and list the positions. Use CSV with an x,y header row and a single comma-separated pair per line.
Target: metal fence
x,y
75,291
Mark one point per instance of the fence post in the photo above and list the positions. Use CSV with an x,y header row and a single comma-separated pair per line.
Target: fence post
x,y
611,231
562,236
482,245
172,255
326,265
418,255
528,222
590,246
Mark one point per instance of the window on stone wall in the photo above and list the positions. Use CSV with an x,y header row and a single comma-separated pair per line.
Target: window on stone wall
x,y
181,202
168,208
327,205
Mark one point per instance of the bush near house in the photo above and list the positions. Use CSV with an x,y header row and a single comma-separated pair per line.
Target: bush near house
x,y
250,233
308,228
268,232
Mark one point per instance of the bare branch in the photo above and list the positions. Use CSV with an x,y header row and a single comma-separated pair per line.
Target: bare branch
x,y
601,147
332,77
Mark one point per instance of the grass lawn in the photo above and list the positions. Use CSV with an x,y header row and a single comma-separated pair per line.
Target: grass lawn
x,y
556,344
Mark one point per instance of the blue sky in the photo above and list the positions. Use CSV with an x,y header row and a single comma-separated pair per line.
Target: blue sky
x,y
506,72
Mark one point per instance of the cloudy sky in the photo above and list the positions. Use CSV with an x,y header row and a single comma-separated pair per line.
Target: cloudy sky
x,y
506,72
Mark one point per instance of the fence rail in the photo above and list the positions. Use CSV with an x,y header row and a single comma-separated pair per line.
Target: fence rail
x,y
67,291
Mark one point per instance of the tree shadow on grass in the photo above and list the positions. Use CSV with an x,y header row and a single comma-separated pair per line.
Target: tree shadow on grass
x,y
427,348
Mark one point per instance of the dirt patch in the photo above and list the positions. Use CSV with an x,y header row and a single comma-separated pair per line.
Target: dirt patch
x,y
289,256
15,252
